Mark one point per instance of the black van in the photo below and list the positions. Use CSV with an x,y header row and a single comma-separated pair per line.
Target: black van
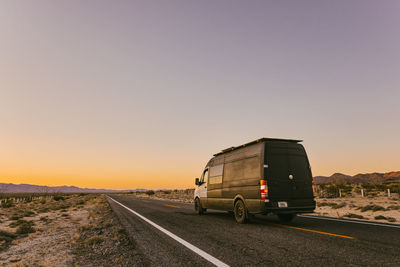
x,y
267,175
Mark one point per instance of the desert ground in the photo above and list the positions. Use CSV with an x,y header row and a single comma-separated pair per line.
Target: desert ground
x,y
63,230
81,229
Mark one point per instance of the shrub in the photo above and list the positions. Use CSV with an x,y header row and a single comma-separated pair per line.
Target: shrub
x,y
391,219
95,240
28,213
42,200
393,207
58,197
6,238
338,206
381,217
44,219
7,204
372,207
15,217
322,204
25,228
45,209
150,192
332,205
19,222
352,215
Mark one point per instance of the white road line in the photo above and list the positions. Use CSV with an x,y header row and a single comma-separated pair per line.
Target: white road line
x,y
196,250
348,221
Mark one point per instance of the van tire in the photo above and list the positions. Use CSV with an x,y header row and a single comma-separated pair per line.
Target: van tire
x,y
197,207
240,212
287,217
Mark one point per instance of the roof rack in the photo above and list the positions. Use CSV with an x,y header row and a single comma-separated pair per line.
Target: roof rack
x,y
257,141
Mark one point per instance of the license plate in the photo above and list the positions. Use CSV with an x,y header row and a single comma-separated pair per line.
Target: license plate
x,y
282,204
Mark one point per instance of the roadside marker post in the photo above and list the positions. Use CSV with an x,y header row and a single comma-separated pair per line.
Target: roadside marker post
x,y
388,191
362,192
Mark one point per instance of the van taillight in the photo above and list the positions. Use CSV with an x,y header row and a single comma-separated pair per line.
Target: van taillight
x,y
264,189
313,187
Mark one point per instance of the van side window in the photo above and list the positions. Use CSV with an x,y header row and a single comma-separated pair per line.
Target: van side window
x,y
204,177
216,173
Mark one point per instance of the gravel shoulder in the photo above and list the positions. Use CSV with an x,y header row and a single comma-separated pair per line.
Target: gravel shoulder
x,y
74,230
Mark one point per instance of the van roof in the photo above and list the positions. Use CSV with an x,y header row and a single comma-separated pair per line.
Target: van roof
x,y
264,139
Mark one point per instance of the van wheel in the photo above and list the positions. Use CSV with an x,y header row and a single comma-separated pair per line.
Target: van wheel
x,y
240,212
286,217
197,207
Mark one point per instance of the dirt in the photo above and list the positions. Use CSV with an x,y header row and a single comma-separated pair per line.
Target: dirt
x,y
75,231
183,196
388,209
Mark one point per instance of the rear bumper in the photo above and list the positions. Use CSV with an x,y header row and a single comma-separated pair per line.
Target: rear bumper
x,y
294,206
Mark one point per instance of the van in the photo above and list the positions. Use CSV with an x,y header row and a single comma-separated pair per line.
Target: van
x,y
265,176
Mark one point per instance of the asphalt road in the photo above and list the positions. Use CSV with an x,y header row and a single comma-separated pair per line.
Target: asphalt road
x,y
264,241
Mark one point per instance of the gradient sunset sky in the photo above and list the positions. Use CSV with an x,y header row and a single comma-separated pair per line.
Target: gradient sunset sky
x,y
140,94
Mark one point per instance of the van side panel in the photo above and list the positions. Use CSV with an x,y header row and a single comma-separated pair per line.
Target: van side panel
x,y
243,168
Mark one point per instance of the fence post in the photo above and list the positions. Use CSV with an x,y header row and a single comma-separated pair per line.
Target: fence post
x,y
388,191
362,192
340,193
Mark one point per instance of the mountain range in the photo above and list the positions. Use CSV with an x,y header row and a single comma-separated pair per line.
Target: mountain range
x,y
334,178
28,188
359,178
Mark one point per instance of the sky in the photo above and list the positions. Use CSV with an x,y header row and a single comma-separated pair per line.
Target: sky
x,y
141,94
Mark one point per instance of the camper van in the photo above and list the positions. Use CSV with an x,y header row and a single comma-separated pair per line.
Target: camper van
x,y
265,176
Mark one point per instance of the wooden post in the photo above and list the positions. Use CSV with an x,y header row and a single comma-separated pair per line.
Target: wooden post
x,y
388,192
340,192
362,192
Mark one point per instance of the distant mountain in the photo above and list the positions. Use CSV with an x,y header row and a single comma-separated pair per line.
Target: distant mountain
x,y
28,188
359,178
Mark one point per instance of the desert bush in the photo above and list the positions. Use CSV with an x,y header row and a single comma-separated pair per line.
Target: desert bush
x,y
19,222
44,219
150,192
58,197
7,204
352,215
43,209
394,188
6,238
374,186
27,213
393,207
95,240
15,217
372,207
332,205
338,205
189,191
42,200
381,217
25,228
391,219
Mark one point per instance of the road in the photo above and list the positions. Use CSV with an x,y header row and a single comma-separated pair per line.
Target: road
x,y
264,241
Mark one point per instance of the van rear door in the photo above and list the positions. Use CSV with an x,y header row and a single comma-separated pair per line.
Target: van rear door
x,y
287,172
